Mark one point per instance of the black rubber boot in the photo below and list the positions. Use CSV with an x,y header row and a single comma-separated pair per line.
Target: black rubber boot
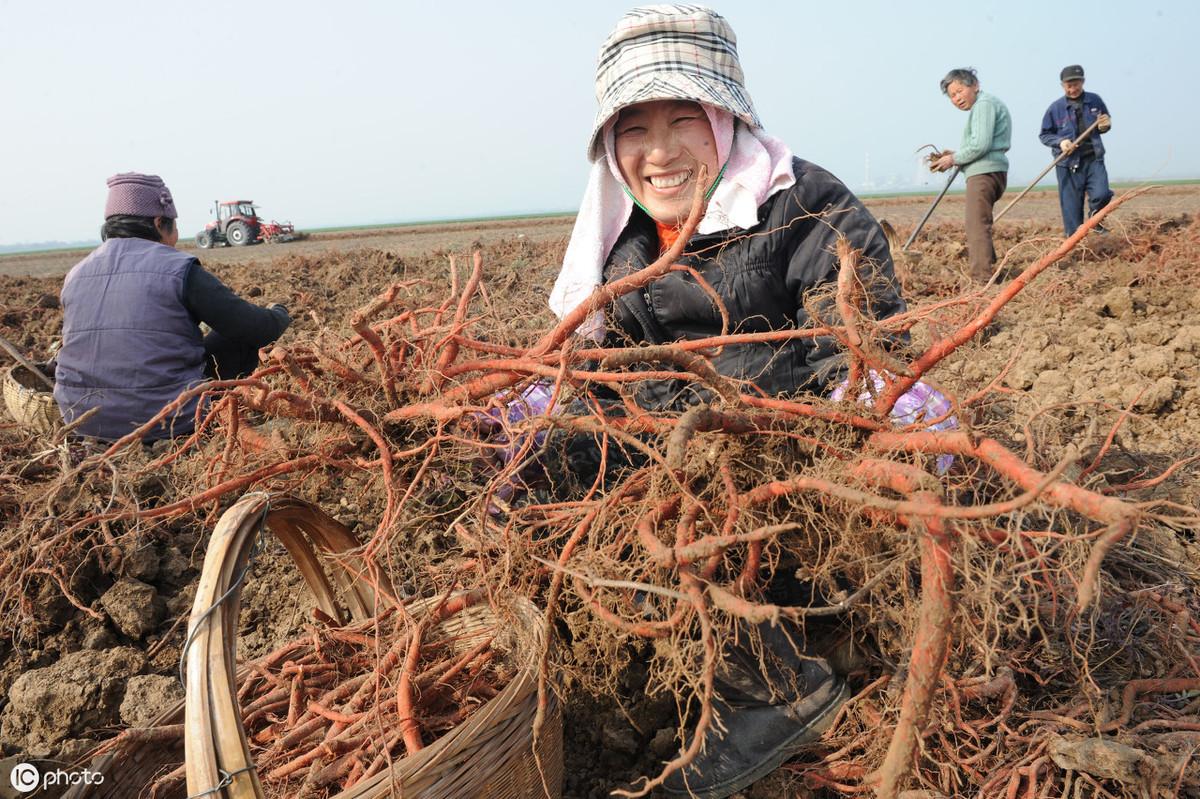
x,y
772,701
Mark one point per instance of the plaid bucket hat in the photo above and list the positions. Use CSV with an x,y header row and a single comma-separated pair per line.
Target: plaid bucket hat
x,y
669,52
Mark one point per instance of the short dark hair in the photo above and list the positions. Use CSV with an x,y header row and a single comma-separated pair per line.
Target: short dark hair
x,y
964,75
126,226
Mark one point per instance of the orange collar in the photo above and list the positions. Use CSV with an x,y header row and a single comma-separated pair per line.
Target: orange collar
x,y
667,236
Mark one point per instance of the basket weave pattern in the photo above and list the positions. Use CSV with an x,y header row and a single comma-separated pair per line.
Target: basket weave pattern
x,y
33,409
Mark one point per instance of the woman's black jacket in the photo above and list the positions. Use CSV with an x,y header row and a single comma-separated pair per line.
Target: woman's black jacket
x,y
762,276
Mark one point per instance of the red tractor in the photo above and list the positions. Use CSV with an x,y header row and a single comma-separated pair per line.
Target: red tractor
x,y
238,224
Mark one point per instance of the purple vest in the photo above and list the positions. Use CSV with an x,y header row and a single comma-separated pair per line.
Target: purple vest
x,y
129,344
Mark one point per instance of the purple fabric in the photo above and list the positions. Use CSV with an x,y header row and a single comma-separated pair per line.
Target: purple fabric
x,y
533,400
130,345
919,403
135,194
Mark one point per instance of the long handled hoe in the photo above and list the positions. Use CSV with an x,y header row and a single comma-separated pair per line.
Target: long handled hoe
x,y
929,213
1053,164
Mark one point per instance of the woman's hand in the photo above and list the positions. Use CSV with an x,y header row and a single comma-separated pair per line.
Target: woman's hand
x,y
945,162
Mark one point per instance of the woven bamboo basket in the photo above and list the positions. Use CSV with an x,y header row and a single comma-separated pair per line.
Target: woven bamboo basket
x,y
29,404
490,755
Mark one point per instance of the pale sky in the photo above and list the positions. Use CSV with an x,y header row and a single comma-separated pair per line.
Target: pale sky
x,y
365,112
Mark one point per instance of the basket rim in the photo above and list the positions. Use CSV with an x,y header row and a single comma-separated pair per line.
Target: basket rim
x,y
10,374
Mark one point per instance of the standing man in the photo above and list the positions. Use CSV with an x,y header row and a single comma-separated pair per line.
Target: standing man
x,y
981,155
1082,171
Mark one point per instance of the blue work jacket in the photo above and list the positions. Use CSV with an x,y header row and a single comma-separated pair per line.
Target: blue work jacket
x,y
1059,124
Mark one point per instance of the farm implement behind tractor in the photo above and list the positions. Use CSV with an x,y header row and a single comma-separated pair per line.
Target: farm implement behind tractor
x,y
238,224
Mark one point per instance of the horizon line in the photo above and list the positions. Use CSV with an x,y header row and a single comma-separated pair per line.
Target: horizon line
x,y
32,248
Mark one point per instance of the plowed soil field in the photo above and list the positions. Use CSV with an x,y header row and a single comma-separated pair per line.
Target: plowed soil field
x,y
1111,334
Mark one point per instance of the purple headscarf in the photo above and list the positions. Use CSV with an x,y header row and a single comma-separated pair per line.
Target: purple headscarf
x,y
135,194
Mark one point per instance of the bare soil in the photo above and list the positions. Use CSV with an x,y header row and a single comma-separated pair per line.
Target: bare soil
x,y
402,240
1040,206
1113,332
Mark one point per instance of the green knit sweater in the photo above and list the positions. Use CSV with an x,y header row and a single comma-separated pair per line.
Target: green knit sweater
x,y
986,138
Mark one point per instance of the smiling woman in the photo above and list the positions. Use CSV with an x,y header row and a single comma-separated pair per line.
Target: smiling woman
x,y
660,146
673,107
672,100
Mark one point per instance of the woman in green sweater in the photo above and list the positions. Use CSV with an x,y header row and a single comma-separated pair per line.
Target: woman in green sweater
x,y
985,140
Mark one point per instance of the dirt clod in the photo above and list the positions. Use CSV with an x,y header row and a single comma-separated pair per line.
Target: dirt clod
x,y
96,635
141,562
617,736
80,692
134,607
663,743
147,696
1118,302
1155,397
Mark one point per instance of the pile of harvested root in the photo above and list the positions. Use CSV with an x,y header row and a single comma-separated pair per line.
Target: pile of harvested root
x,y
329,711
1018,627
327,690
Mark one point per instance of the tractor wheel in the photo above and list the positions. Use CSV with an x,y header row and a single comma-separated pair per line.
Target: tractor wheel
x,y
203,240
238,234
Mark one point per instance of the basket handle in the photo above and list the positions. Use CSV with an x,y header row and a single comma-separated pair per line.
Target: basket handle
x,y
218,759
28,364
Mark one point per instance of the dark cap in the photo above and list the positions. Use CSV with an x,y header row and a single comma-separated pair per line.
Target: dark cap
x,y
1073,72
